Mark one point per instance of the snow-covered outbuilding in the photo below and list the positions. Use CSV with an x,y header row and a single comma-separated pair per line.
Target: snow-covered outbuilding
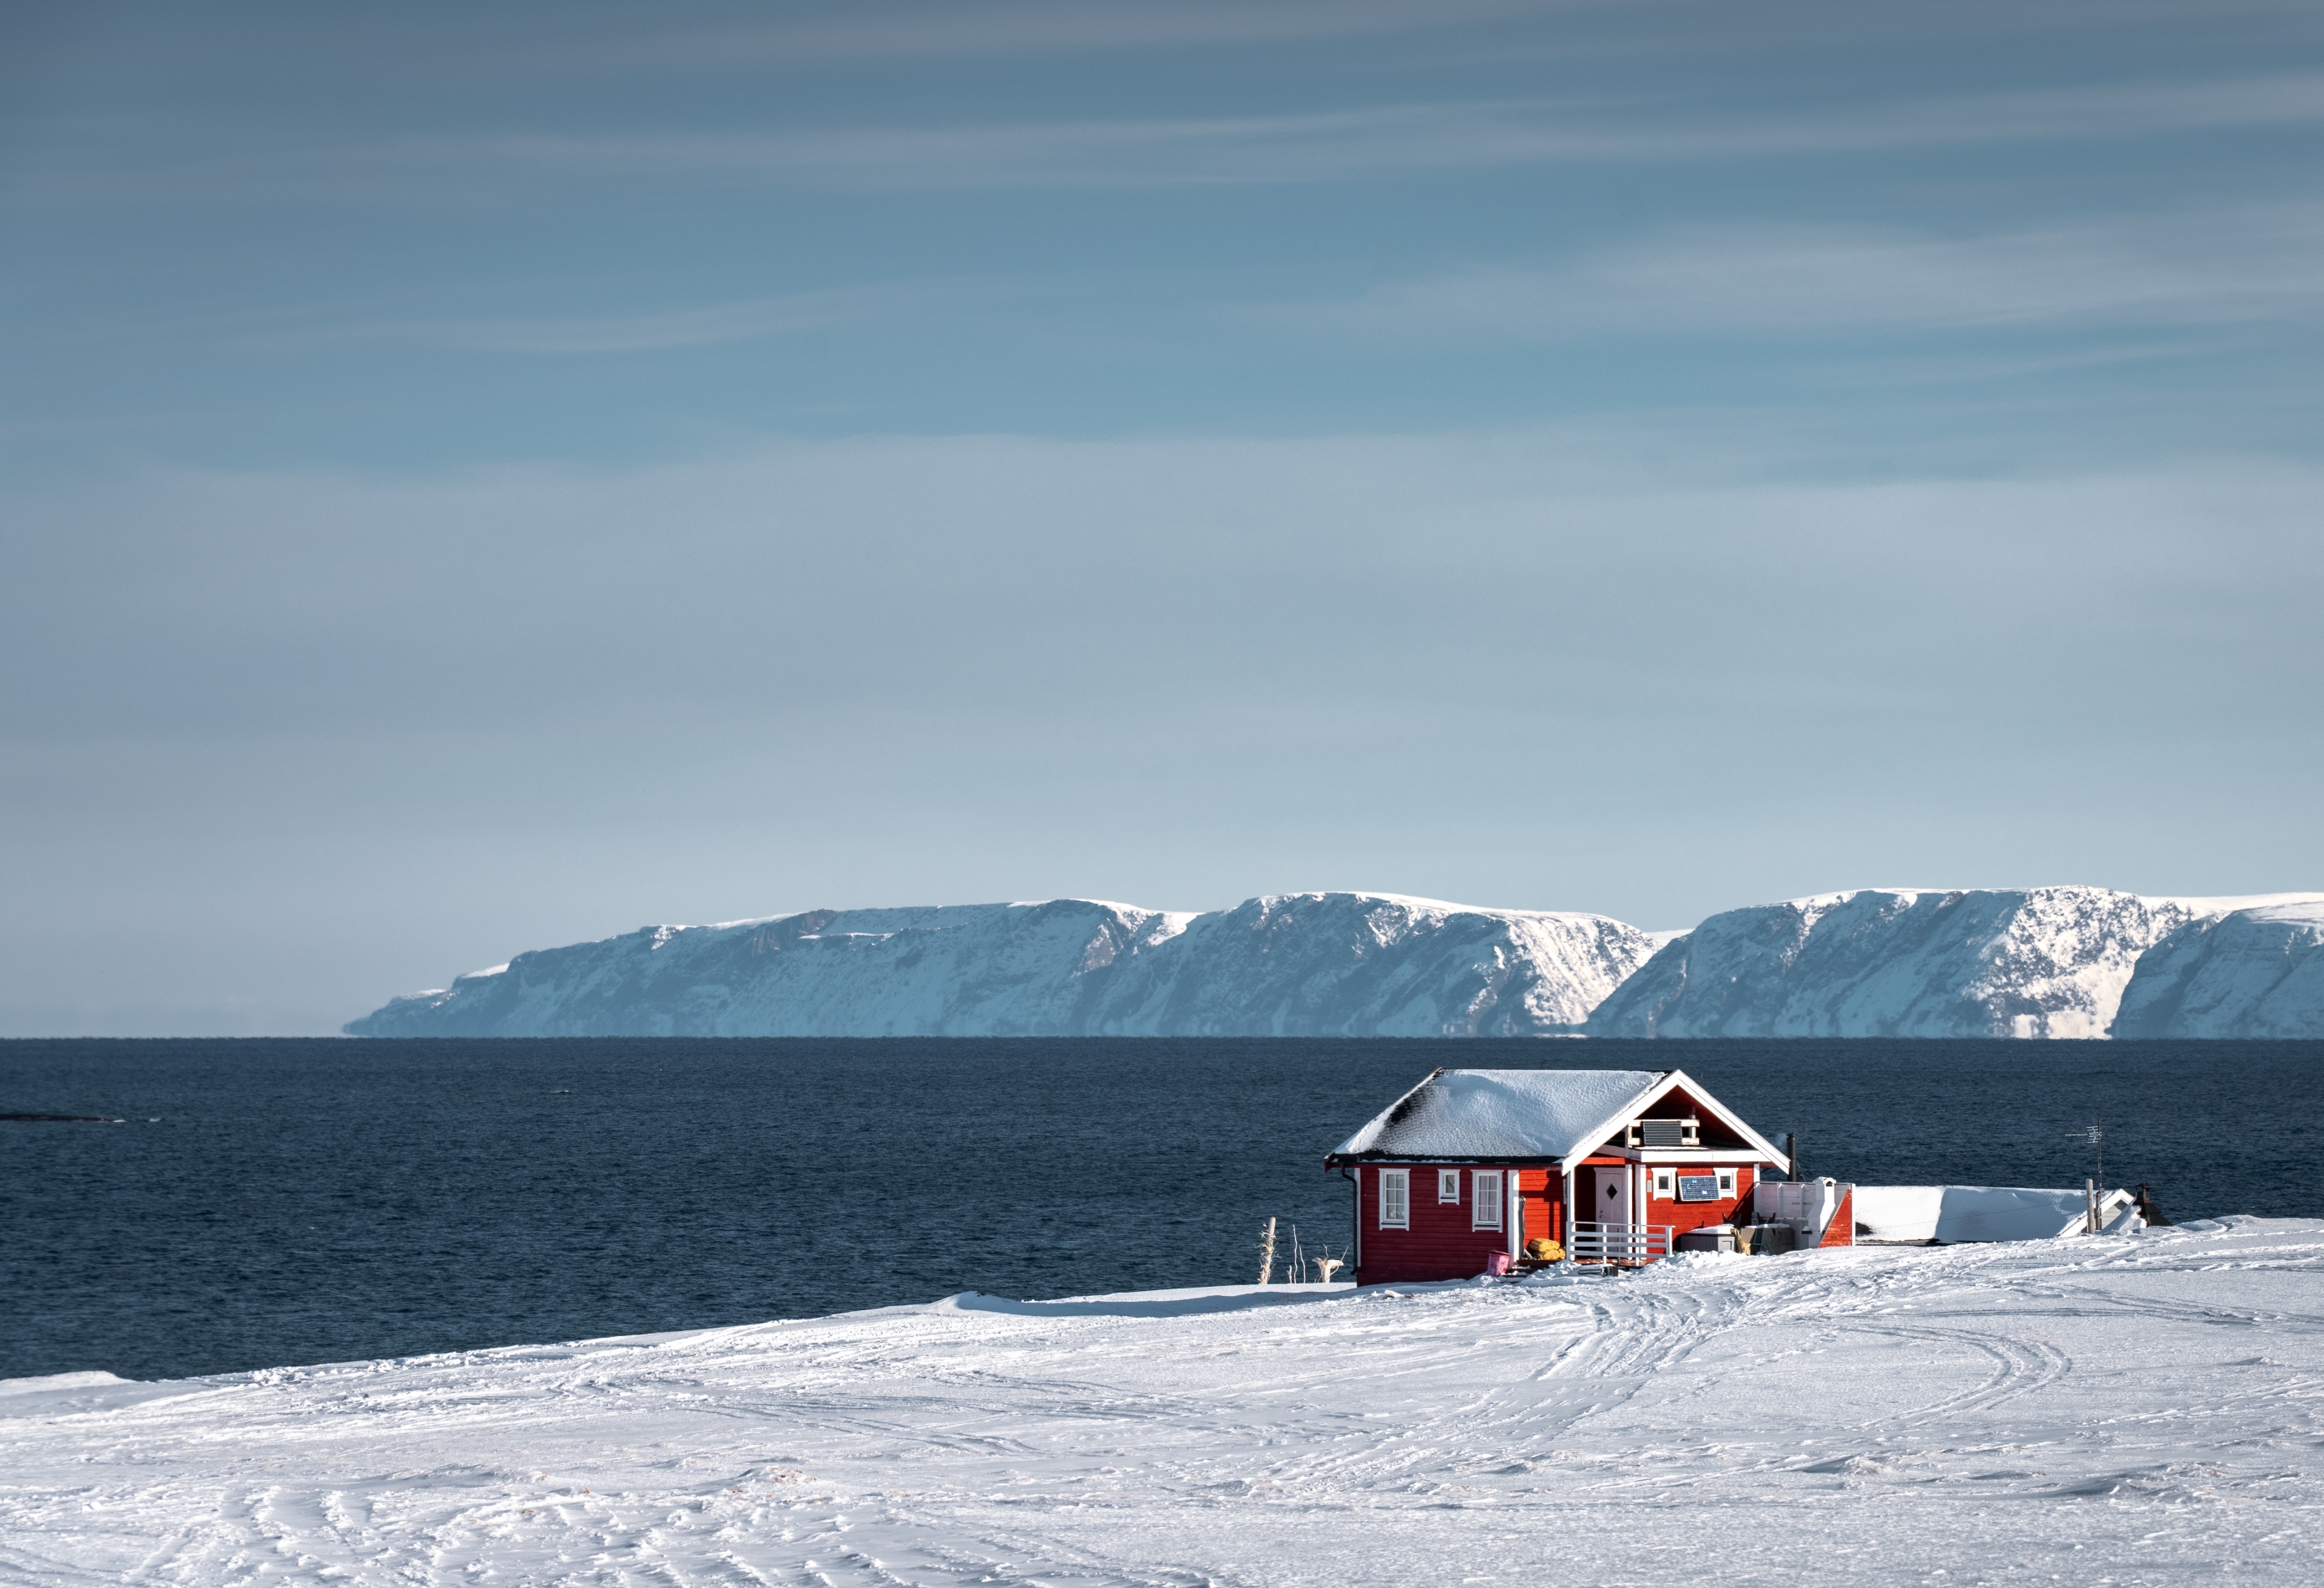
x,y
1946,1215
1613,1165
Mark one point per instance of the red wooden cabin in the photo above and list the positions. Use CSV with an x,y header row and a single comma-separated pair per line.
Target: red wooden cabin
x,y
1613,1165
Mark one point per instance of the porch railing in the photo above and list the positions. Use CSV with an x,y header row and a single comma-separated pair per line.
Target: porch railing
x,y
1618,1242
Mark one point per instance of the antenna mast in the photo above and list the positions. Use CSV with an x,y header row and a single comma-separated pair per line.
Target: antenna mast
x,y
2095,1134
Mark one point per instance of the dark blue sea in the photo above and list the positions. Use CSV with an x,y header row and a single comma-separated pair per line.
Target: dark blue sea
x,y
269,1203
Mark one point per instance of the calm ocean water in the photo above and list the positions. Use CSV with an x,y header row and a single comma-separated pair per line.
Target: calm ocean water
x,y
281,1201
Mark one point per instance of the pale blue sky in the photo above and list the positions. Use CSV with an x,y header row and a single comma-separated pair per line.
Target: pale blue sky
x,y
478,481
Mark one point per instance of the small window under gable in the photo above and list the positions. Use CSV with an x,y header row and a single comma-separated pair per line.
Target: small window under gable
x,y
1485,1199
1395,1199
1448,1184
1665,1183
1727,1182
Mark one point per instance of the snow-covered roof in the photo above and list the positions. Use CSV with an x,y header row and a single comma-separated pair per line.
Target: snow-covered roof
x,y
1498,1114
1465,1115
1950,1213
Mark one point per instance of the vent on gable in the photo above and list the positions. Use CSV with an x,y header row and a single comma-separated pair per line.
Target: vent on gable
x,y
1668,1133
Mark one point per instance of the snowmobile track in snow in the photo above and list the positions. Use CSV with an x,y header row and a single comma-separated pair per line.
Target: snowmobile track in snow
x,y
2142,1408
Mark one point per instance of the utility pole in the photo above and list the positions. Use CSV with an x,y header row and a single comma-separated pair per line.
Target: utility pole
x,y
1267,1255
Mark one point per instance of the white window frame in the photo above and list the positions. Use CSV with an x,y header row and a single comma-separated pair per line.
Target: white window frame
x,y
1727,1182
1395,1186
1486,1189
1666,1184
1448,1186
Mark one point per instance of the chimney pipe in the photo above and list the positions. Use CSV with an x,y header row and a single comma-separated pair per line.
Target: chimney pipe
x,y
1791,1152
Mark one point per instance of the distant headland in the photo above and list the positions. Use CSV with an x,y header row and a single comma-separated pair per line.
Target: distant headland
x,y
2059,962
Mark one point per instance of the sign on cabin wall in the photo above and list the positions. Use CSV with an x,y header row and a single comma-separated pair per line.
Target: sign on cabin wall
x,y
1698,1187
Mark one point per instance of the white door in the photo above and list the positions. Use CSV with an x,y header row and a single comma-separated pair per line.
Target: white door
x,y
1613,1197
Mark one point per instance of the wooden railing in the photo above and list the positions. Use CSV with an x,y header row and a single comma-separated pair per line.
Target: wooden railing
x,y
1618,1242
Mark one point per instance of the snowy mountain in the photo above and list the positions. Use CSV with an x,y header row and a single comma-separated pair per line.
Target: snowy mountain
x,y
1293,964
2033,961
1374,964
2254,972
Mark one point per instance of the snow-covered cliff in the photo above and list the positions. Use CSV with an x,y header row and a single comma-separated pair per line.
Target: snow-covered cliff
x,y
2255,972
1374,964
1294,964
2032,962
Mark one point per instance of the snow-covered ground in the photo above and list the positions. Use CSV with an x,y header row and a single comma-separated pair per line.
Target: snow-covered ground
x,y
2134,1409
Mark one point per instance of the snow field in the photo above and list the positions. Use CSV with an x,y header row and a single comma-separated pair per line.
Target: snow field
x,y
2134,1409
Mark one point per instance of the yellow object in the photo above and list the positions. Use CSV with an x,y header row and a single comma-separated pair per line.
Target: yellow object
x,y
1541,1248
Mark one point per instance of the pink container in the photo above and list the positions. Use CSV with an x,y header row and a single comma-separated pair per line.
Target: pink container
x,y
1498,1264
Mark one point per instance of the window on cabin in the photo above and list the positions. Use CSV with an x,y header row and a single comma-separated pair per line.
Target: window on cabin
x,y
1727,1182
1666,1184
1395,1199
1485,1199
1448,1184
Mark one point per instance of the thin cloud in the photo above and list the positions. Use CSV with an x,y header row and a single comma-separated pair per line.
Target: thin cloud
x,y
1390,141
1227,150
1033,30
710,325
706,325
1549,29
1369,142
2217,269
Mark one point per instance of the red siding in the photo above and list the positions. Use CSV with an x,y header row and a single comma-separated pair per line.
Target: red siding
x,y
1842,1229
1683,1217
1544,1204
1440,1244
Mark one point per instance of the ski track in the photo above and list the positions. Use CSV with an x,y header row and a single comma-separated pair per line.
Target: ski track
x,y
2137,1409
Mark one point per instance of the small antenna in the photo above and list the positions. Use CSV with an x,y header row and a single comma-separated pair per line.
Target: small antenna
x,y
2095,1134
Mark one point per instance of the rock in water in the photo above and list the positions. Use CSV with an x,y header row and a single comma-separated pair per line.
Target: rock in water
x,y
2032,962
2255,972
1307,964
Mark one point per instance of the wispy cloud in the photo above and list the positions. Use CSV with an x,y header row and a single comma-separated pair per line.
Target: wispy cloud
x,y
1029,29
610,331
1543,29
707,325
1355,143
1325,146
2218,268
1388,140
2211,269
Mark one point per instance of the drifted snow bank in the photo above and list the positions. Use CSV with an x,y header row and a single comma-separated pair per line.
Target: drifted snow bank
x,y
1302,964
2135,1409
